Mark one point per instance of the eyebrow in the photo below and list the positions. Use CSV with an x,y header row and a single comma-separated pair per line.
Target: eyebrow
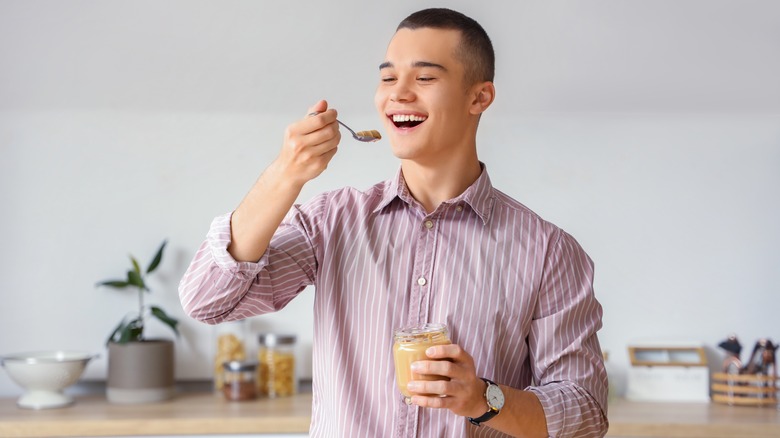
x,y
417,64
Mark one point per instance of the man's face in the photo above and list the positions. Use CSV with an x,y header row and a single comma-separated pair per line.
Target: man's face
x,y
422,97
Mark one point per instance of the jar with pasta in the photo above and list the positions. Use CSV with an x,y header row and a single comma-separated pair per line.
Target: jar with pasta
x,y
230,346
276,365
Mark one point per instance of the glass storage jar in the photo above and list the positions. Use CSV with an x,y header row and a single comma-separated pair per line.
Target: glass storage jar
x,y
276,365
230,345
409,346
239,380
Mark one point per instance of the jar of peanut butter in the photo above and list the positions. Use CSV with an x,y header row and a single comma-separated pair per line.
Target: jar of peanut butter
x,y
410,345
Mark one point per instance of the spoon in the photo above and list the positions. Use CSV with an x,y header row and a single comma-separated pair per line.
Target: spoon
x,y
364,136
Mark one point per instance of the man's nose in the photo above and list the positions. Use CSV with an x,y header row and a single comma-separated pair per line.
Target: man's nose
x,y
401,92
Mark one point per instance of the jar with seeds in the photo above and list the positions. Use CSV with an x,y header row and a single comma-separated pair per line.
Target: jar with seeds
x,y
239,380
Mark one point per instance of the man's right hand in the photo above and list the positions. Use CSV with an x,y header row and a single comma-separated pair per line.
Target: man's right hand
x,y
309,145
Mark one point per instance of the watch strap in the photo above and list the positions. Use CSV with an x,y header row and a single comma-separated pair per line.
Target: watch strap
x,y
492,412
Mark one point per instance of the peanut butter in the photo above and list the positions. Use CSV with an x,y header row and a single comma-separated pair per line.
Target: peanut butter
x,y
410,345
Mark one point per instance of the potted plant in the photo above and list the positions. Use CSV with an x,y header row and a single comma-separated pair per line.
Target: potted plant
x,y
140,370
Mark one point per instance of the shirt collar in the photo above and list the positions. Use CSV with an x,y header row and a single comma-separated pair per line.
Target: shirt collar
x,y
478,196
395,188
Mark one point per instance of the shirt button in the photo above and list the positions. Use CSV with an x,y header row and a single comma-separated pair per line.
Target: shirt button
x,y
428,224
421,281
459,208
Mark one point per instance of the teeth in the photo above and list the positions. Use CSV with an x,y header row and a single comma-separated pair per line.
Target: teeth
x,y
408,118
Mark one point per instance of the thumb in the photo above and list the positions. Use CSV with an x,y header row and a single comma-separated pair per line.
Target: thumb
x,y
318,107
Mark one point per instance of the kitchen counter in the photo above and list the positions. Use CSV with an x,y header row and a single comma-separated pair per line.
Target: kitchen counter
x,y
186,414
691,420
206,413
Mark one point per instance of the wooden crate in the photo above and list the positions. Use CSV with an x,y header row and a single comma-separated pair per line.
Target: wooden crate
x,y
744,389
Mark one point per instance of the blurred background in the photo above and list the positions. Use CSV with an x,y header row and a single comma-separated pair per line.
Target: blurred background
x,y
649,130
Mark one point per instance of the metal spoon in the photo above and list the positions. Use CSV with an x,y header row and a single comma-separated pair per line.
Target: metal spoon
x,y
364,136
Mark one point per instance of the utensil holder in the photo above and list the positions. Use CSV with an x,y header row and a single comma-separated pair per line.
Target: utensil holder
x,y
744,389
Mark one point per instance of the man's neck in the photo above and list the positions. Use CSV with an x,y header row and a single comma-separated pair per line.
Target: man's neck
x,y
431,185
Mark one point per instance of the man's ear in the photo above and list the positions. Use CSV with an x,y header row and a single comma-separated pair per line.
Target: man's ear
x,y
484,93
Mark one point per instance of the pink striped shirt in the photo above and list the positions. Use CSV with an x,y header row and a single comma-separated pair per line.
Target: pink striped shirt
x,y
515,291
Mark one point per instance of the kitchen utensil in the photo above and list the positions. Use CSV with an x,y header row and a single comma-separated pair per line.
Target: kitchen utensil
x,y
44,375
364,136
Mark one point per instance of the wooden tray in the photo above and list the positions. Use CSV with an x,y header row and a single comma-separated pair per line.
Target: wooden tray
x,y
744,389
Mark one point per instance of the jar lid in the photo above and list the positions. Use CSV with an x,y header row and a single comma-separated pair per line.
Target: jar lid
x,y
424,331
237,365
273,339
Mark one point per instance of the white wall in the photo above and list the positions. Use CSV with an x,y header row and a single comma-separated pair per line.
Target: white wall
x,y
650,130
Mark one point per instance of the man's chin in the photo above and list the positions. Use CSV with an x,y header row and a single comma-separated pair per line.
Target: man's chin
x,y
403,150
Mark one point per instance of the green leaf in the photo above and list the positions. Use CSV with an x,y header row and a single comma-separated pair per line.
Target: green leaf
x,y
135,279
136,265
116,331
162,316
132,332
119,284
157,258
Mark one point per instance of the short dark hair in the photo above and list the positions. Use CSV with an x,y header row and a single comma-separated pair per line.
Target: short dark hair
x,y
475,51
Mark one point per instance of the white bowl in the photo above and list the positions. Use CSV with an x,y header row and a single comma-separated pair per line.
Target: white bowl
x,y
44,375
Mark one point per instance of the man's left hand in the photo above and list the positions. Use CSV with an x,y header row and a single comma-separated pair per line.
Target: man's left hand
x,y
463,393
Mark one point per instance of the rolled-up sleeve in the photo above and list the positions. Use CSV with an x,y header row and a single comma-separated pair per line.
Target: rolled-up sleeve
x,y
218,288
568,369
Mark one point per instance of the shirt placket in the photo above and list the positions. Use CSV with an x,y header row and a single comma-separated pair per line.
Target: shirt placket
x,y
419,302
423,271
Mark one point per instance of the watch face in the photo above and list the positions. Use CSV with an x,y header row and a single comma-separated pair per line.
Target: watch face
x,y
495,397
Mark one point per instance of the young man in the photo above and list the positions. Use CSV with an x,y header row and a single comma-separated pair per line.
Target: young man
x,y
437,243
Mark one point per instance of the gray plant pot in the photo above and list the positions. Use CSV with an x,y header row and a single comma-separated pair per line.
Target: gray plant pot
x,y
140,372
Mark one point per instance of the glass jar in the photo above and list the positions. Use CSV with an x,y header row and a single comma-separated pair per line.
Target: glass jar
x,y
409,346
239,380
230,346
276,365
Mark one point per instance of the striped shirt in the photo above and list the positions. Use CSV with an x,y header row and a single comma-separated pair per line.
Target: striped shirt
x,y
514,290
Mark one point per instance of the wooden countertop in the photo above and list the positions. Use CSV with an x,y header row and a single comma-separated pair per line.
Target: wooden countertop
x,y
206,413
186,414
691,420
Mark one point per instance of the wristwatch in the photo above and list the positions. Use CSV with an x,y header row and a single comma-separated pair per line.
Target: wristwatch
x,y
495,401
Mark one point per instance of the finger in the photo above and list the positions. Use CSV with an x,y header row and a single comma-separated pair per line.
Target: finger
x,y
321,141
324,126
444,368
448,351
431,387
318,107
316,121
326,151
432,402
446,395
317,157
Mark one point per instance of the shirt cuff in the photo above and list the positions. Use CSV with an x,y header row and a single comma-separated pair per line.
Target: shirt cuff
x,y
219,238
568,409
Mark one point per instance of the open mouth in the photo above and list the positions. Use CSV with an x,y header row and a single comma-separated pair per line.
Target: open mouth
x,y
407,120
